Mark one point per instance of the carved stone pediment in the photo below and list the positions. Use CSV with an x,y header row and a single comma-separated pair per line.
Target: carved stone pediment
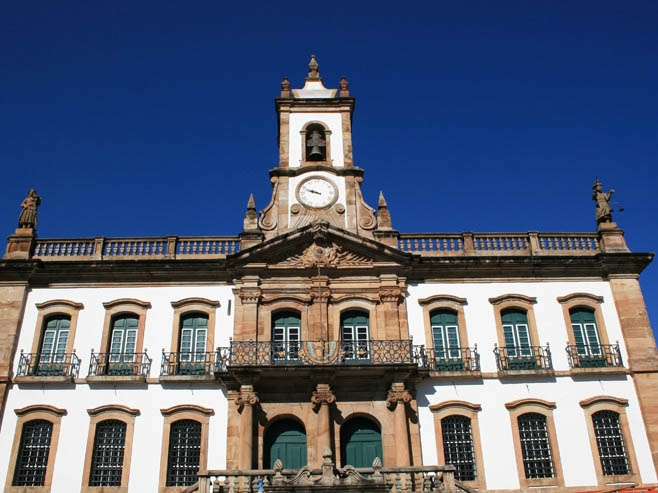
x,y
320,245
326,255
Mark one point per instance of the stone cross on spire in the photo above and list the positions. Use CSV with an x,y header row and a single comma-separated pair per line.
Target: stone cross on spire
x,y
313,66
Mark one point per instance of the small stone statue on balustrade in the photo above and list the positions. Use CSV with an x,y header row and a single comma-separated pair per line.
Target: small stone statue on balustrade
x,y
602,199
28,217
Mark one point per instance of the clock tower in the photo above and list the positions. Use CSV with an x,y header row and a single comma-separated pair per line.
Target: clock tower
x,y
316,179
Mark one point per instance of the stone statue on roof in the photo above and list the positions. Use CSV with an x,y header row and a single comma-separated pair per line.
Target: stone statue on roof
x,y
28,217
602,199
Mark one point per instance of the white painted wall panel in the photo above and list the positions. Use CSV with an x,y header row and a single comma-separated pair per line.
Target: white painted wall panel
x,y
297,122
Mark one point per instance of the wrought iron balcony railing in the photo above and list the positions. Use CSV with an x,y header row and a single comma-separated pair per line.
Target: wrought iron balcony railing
x,y
301,353
51,364
188,364
594,356
119,364
523,358
450,359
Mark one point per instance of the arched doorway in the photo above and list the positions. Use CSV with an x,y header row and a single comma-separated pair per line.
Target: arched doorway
x,y
360,442
286,440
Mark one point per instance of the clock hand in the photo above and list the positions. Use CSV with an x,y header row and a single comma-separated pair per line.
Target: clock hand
x,y
313,191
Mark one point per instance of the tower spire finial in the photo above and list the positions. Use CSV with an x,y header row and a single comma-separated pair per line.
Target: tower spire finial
x,y
313,66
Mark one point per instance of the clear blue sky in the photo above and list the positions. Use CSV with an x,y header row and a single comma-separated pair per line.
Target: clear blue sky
x,y
155,118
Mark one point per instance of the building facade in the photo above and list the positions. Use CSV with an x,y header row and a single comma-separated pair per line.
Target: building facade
x,y
321,338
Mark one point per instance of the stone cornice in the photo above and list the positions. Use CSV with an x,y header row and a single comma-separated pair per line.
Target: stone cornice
x,y
338,171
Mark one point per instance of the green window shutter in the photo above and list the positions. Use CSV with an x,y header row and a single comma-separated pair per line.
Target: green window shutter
x,y
515,333
585,332
55,338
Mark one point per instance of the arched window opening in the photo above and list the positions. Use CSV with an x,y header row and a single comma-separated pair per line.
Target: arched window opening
x,y
355,337
285,440
535,447
107,455
192,342
610,442
123,344
286,336
360,442
54,340
316,143
445,337
458,447
34,448
184,452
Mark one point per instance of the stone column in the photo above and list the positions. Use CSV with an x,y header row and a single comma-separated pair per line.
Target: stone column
x,y
396,401
390,295
246,401
322,399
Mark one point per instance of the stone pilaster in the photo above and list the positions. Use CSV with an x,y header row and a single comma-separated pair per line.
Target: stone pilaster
x,y
12,307
318,324
642,353
398,398
246,401
322,399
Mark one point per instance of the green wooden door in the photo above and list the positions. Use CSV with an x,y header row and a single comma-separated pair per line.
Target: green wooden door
x,y
286,337
285,440
586,336
355,334
52,357
445,335
192,358
361,442
123,344
517,340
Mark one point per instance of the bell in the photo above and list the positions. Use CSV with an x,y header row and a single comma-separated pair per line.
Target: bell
x,y
315,154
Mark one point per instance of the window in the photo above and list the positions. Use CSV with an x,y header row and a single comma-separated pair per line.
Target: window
x,y
286,331
54,342
458,440
32,461
34,448
610,443
610,439
355,336
536,450
535,443
107,458
184,445
109,447
184,452
458,446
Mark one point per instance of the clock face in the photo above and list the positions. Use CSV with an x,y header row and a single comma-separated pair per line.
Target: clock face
x,y
317,192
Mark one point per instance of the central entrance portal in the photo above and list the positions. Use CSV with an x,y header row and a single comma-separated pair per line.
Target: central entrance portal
x,y
285,440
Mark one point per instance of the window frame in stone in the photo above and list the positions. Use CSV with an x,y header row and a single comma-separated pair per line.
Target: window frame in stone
x,y
545,408
357,347
466,410
108,452
104,414
619,406
25,416
535,446
185,412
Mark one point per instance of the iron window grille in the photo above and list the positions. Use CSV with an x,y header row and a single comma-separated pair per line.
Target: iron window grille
x,y
536,450
107,455
184,453
458,446
610,443
32,459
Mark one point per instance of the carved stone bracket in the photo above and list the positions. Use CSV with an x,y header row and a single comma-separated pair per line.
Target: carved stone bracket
x,y
390,294
268,216
247,396
250,295
323,395
397,394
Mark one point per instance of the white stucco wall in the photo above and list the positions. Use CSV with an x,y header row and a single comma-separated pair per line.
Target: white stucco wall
x,y
297,122
148,398
492,394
